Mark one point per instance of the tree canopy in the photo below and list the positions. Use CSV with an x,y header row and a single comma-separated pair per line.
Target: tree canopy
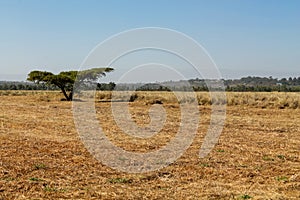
x,y
65,80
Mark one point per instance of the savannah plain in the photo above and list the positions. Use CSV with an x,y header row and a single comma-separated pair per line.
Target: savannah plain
x,y
256,157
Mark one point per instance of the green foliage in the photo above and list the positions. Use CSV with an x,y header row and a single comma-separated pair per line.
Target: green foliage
x,y
35,179
263,84
39,76
267,158
65,80
93,74
106,86
282,178
282,157
246,196
204,165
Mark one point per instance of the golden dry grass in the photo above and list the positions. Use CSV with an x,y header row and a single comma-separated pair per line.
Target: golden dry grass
x,y
254,99
257,155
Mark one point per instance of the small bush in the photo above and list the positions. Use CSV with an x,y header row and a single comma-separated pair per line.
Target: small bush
x,y
133,97
246,196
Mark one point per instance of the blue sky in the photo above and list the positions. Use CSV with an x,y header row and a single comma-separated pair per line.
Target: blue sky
x,y
245,37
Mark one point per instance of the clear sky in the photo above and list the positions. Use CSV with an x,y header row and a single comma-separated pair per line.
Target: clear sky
x,y
244,37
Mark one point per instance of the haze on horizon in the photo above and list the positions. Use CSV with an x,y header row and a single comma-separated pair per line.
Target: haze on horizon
x,y
244,38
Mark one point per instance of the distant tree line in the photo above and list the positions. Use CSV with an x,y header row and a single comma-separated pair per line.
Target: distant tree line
x,y
106,86
246,84
263,84
8,85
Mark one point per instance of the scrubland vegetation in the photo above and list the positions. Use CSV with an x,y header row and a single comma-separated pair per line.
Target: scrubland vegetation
x,y
278,100
257,156
253,99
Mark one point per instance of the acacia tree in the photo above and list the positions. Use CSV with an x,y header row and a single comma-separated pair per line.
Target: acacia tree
x,y
66,80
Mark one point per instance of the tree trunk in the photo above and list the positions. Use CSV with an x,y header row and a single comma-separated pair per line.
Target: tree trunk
x,y
71,96
68,97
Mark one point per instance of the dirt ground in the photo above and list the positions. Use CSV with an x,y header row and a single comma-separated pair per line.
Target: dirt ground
x,y
42,157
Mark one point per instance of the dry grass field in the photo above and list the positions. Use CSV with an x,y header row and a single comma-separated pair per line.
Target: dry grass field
x,y
257,156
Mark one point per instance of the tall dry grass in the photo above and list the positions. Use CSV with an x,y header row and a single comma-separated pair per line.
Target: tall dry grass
x,y
278,100
41,95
